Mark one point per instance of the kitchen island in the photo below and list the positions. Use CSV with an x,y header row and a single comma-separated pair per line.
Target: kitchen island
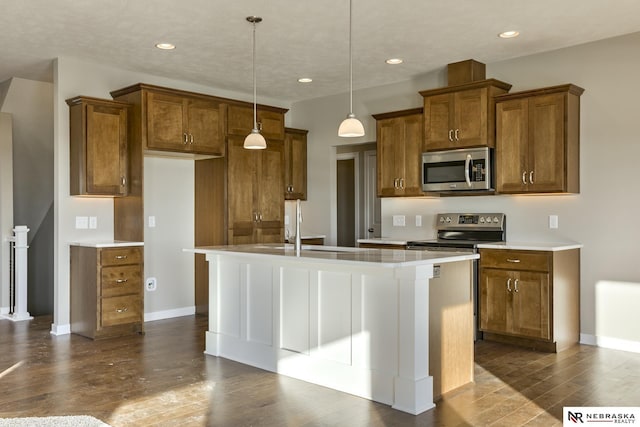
x,y
392,326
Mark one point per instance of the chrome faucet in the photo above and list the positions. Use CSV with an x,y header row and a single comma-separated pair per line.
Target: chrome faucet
x,y
298,221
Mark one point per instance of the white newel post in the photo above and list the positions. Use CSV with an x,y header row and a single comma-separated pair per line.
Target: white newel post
x,y
20,268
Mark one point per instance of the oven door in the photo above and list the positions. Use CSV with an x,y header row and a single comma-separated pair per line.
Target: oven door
x,y
457,170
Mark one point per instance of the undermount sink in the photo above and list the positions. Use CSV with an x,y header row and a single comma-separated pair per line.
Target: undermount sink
x,y
311,248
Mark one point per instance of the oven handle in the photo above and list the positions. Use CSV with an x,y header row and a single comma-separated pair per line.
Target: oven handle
x,y
467,164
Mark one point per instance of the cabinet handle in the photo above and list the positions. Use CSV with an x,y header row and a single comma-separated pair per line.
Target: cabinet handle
x,y
186,138
191,138
456,135
395,183
122,280
524,177
509,284
121,257
123,181
513,260
451,135
260,217
531,177
259,125
402,183
515,285
122,310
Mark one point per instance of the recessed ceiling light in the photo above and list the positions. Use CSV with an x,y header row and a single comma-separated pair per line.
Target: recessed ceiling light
x,y
509,34
165,46
394,61
305,80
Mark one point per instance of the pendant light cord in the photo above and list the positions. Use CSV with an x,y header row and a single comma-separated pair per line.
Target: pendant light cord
x,y
255,114
350,60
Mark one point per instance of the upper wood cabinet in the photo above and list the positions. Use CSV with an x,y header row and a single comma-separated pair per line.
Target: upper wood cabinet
x,y
184,123
255,199
270,121
399,150
295,164
98,147
461,116
538,141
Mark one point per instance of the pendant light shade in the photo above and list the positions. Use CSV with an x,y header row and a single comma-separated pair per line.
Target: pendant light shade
x,y
350,127
254,141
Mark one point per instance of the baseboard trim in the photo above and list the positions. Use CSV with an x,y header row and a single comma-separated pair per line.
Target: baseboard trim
x,y
612,343
168,314
60,329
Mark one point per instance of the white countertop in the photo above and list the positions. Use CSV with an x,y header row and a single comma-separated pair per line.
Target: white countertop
x,y
532,246
107,244
339,255
383,241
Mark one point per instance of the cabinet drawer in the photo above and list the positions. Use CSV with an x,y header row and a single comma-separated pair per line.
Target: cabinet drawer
x,y
120,256
121,310
515,260
121,280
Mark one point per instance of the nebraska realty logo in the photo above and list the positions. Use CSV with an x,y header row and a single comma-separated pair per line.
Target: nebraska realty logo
x,y
602,415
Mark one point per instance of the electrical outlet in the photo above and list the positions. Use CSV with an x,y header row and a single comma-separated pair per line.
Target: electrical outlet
x,y
398,221
93,222
553,221
418,220
82,222
151,284
152,221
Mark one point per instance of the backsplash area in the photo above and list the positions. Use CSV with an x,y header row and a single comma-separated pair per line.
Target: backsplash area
x,y
527,216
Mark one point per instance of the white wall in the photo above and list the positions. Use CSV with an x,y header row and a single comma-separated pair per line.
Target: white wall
x,y
6,206
602,216
74,77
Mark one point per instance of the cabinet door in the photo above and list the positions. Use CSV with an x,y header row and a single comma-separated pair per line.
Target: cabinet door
x,y
240,122
106,150
546,143
295,165
271,124
531,305
495,300
166,122
241,188
470,118
390,156
205,127
438,122
512,131
413,141
270,199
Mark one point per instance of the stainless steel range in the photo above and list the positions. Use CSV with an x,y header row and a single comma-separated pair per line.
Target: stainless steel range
x,y
462,232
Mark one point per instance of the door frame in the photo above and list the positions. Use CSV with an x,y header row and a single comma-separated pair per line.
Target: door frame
x,y
356,190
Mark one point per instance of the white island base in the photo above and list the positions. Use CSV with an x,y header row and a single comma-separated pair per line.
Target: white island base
x,y
373,323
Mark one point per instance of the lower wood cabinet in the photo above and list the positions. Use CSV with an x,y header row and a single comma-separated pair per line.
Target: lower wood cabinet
x,y
106,291
530,298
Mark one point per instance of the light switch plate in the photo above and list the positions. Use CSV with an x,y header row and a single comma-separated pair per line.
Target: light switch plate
x,y
93,222
82,222
398,220
418,220
553,221
152,221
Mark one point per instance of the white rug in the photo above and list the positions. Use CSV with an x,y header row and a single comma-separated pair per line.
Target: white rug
x,y
71,421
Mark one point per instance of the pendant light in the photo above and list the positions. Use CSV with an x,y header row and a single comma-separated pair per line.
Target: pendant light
x,y
350,127
254,141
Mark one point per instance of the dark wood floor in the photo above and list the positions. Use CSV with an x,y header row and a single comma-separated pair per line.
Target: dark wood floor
x,y
164,379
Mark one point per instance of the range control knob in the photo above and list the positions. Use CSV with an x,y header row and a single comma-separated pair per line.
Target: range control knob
x,y
441,219
496,219
448,220
481,220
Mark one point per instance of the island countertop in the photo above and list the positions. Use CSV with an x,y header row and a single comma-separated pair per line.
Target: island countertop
x,y
338,255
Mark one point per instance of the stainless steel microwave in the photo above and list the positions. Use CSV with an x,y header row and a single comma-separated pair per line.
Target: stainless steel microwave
x,y
466,169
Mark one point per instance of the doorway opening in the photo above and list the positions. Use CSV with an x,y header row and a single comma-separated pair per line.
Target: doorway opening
x,y
358,207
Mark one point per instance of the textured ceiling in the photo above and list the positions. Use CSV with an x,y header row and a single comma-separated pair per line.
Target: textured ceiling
x,y
297,37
